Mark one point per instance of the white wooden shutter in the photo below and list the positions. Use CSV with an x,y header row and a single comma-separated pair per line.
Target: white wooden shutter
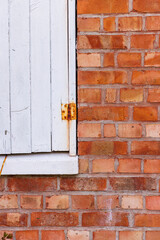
x,y
36,76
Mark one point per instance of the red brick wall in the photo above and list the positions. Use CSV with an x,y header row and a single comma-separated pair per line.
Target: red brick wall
x,y
116,193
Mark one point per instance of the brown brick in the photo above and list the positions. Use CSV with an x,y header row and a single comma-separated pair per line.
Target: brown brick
x,y
143,41
32,184
103,77
109,130
54,219
109,24
89,130
83,165
129,166
83,184
145,114
153,95
105,6
83,202
106,113
88,24
53,235
154,235
130,24
133,184
153,202
77,235
132,202
152,166
130,235
89,60
2,182
87,95
145,148
27,235
31,202
131,95
153,23
8,201
152,59
102,42
57,202
129,59
111,95
104,235
108,60
146,77
104,219
102,148
107,202
140,6
13,219
153,130
147,220
103,165
130,130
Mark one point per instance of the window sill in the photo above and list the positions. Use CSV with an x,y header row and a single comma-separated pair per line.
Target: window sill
x,y
40,164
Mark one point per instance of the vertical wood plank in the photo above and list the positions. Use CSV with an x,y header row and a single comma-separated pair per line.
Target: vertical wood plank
x,y
72,74
4,80
20,76
40,76
59,60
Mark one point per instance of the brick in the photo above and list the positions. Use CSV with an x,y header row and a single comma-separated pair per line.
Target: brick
x,y
8,232
31,202
104,6
88,24
2,182
86,95
104,219
153,95
109,130
153,202
27,235
129,130
152,59
111,95
132,202
129,59
13,219
129,166
83,202
109,24
54,219
147,220
108,60
78,235
104,235
106,113
102,148
8,201
89,130
152,166
153,23
83,165
145,114
132,184
57,202
130,235
145,148
107,202
131,95
102,42
53,235
146,78
143,41
89,60
103,77
32,184
154,235
83,184
103,165
130,24
153,130
139,6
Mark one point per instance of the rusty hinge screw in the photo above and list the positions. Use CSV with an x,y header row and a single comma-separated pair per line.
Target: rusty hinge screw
x,y
69,111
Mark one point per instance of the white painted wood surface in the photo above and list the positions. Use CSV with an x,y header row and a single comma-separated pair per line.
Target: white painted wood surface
x,y
37,75
4,80
72,74
59,64
40,76
20,76
44,164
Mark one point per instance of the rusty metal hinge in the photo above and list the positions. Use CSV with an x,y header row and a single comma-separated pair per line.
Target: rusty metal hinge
x,y
68,111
